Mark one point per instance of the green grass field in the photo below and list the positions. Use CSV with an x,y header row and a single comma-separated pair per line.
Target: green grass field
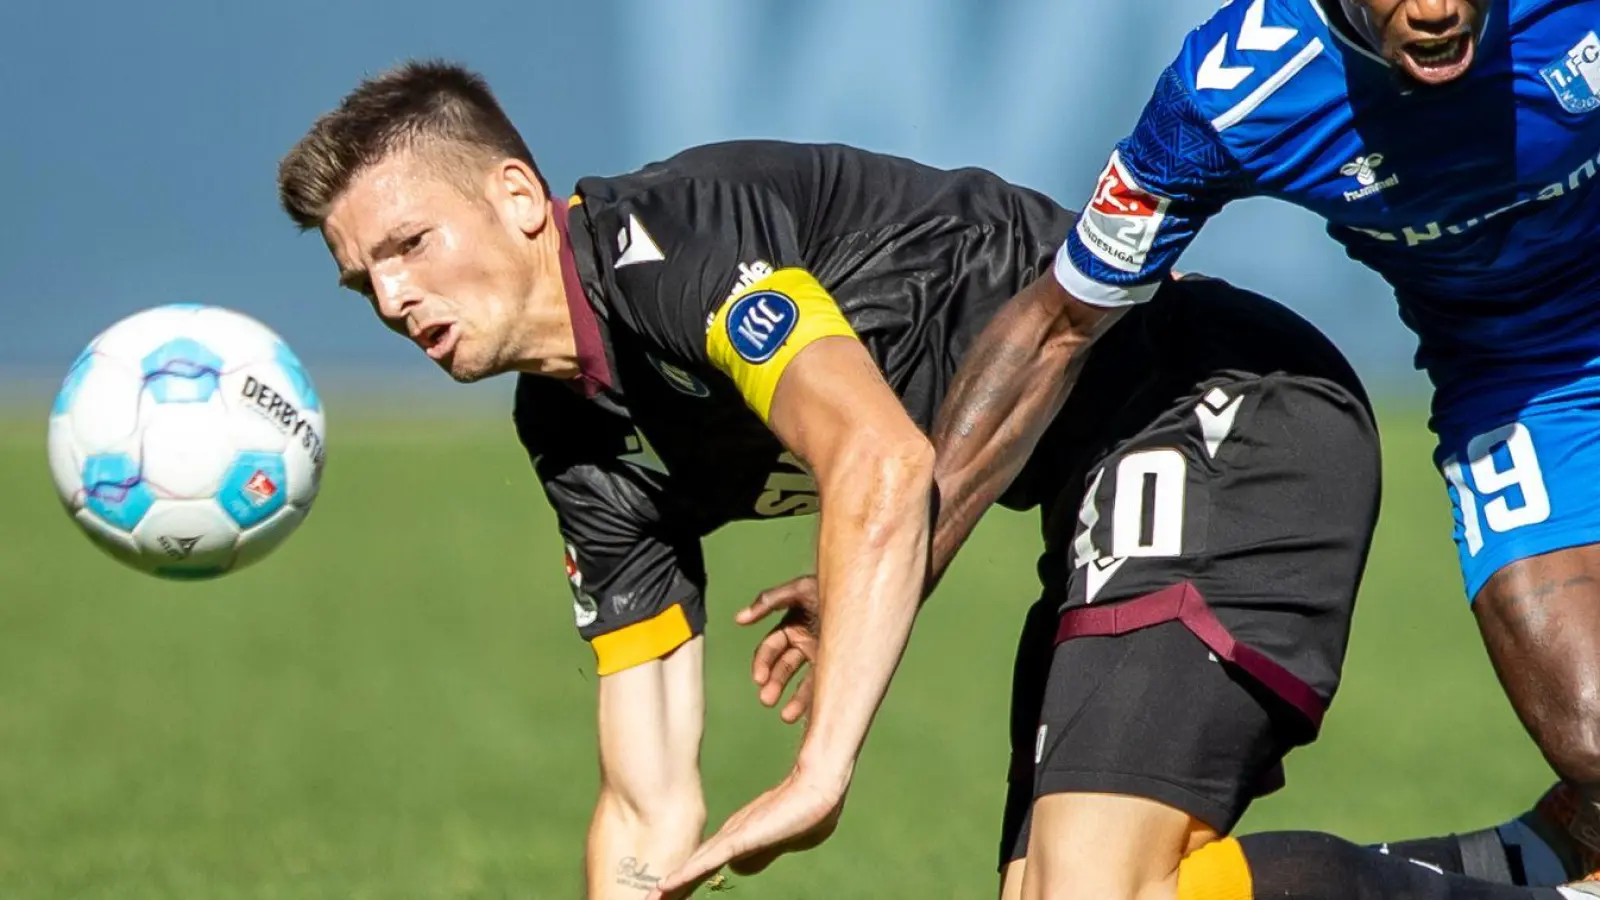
x,y
396,704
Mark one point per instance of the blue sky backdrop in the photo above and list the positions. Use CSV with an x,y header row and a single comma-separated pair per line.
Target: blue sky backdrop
x,y
140,140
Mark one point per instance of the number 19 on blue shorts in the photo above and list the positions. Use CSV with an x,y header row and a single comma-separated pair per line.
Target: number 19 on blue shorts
x,y
1522,489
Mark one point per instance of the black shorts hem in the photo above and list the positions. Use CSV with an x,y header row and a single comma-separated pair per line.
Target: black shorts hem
x,y
1219,816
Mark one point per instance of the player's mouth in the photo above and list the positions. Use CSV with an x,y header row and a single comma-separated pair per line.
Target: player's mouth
x,y
1437,60
438,340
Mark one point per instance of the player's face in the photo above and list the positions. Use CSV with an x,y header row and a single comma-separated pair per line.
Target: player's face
x,y
439,261
1432,41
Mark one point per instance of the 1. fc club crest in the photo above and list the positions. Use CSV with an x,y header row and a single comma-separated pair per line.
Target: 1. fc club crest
x,y
1575,77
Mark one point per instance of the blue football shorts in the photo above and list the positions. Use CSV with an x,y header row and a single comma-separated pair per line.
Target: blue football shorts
x,y
1525,482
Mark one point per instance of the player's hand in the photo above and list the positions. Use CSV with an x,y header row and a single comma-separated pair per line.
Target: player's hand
x,y
790,645
797,815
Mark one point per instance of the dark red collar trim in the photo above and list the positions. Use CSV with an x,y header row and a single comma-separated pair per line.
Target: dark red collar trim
x,y
594,371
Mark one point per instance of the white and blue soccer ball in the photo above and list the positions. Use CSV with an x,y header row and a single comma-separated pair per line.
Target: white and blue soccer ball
x,y
187,441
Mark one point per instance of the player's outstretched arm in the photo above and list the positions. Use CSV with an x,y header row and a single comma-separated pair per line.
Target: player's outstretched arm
x,y
1010,385
651,812
874,471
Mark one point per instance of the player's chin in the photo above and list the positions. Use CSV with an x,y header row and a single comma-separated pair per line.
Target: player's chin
x,y
463,365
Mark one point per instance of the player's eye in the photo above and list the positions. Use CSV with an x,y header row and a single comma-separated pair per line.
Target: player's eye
x,y
412,244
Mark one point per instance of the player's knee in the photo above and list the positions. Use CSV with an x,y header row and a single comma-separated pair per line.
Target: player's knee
x,y
1573,744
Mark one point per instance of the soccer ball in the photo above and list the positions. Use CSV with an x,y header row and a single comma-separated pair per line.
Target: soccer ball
x,y
187,441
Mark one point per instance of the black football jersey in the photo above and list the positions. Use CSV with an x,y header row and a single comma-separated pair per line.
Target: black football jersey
x,y
703,275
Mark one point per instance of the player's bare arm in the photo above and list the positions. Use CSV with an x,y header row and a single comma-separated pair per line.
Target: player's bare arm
x,y
651,811
874,471
1009,387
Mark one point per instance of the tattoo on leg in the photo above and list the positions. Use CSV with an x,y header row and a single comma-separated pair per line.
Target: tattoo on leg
x,y
635,874
1518,599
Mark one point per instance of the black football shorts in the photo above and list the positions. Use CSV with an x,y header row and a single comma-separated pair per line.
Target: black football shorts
x,y
1200,628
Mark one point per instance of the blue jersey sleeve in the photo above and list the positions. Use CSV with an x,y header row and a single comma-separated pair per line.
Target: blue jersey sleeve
x,y
1161,184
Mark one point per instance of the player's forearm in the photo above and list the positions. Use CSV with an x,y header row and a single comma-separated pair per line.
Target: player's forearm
x,y
872,560
1011,384
630,847
651,812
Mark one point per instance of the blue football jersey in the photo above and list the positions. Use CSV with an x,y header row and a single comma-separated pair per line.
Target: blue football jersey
x,y
1475,200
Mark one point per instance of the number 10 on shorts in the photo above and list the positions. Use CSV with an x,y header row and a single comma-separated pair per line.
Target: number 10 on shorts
x,y
1506,484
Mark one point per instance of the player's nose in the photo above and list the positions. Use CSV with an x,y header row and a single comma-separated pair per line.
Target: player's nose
x,y
392,294
1434,17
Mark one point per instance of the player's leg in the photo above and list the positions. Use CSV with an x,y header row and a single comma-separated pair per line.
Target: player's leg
x,y
651,812
1110,846
1540,620
1215,572
1030,674
1150,749
1312,866
1527,529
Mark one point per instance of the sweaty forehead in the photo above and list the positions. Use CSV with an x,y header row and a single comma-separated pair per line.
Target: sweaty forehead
x,y
398,191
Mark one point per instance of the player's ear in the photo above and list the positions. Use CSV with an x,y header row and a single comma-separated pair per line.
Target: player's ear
x,y
522,196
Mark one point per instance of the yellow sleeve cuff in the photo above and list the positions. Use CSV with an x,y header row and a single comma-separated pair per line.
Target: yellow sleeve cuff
x,y
758,331
642,642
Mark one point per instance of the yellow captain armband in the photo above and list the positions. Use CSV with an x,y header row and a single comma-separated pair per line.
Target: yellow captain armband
x,y
758,331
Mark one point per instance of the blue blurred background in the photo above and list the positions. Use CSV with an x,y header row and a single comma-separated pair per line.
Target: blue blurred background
x,y
139,143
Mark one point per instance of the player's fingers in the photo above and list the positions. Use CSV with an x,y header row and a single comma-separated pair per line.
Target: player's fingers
x,y
755,863
703,863
766,655
800,704
782,671
769,601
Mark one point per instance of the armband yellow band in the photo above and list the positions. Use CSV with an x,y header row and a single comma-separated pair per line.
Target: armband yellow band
x,y
758,331
642,642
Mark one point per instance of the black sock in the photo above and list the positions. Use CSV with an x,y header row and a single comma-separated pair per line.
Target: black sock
x,y
1312,866
1476,854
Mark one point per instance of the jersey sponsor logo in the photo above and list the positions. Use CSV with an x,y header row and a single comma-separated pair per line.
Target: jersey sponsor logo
x,y
1575,77
584,608
790,491
1364,169
759,323
635,245
749,274
1413,235
680,380
1122,220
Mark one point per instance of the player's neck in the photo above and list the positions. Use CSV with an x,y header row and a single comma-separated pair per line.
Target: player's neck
x,y
549,343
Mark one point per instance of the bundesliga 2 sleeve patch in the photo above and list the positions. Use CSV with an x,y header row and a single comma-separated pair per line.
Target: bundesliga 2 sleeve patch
x,y
1122,220
759,330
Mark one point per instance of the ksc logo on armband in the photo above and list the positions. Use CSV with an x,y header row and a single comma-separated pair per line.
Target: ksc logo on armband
x,y
759,323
